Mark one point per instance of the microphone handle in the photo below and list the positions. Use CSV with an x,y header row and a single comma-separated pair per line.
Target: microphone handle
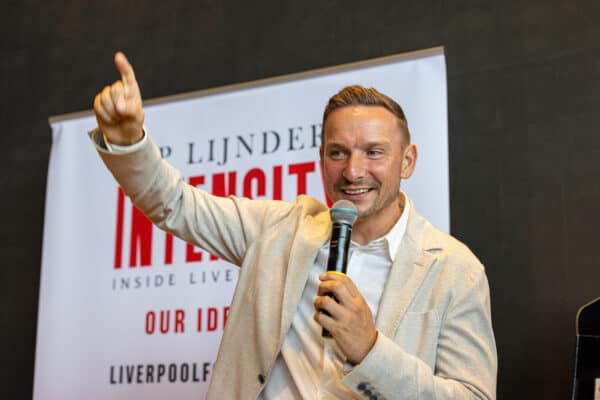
x,y
338,256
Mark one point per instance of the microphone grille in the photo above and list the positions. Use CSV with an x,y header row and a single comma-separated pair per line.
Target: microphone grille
x,y
344,212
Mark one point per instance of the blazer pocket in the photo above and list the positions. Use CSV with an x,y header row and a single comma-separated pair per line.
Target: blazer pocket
x,y
418,334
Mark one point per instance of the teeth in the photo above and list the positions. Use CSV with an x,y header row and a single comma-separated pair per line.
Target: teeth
x,y
355,191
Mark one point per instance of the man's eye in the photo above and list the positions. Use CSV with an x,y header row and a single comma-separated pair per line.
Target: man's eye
x,y
336,154
375,153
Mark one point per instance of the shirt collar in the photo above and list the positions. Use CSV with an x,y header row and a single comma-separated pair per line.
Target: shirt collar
x,y
395,235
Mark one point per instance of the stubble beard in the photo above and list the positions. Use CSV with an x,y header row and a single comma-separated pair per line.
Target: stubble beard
x,y
379,204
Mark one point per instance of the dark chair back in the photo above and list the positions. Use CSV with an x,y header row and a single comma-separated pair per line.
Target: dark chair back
x,y
586,385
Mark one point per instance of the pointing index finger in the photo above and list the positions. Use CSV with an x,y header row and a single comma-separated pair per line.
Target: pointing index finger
x,y
125,69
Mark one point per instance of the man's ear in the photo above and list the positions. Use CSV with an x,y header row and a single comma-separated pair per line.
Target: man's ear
x,y
409,160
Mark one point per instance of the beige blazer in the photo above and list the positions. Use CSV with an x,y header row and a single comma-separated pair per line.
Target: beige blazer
x,y
435,333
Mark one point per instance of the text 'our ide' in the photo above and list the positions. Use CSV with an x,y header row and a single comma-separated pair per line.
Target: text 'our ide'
x,y
176,321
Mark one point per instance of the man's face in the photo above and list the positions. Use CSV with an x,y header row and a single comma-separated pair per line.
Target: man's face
x,y
364,159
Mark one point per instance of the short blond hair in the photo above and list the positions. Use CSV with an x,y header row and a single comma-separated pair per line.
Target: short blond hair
x,y
357,95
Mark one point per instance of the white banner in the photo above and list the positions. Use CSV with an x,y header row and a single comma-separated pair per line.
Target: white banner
x,y
128,312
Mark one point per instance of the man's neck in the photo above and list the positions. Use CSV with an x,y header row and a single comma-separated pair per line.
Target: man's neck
x,y
375,226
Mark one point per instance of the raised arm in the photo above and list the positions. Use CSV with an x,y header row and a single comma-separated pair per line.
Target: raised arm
x,y
223,226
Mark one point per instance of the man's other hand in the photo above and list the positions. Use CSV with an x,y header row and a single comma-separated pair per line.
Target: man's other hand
x,y
118,107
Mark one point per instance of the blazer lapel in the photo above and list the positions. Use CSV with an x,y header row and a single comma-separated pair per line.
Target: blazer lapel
x,y
406,276
309,238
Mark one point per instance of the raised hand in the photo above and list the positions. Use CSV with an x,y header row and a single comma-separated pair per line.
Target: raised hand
x,y
350,321
118,107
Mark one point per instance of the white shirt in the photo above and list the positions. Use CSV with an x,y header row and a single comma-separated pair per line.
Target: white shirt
x,y
308,366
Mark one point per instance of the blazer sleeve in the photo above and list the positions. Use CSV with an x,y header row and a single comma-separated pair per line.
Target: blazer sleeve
x,y
224,226
466,361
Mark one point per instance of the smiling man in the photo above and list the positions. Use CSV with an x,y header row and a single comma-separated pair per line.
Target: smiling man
x,y
365,154
412,322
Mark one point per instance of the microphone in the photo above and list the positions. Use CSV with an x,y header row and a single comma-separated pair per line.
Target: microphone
x,y
343,215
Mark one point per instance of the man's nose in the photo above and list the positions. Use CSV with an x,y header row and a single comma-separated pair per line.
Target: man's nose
x,y
355,168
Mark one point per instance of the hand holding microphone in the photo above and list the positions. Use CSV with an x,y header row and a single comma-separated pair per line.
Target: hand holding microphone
x,y
340,308
343,216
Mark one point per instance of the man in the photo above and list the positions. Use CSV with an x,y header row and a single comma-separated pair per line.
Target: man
x,y
412,323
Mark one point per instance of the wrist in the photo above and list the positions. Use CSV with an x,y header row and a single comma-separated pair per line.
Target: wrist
x,y
361,357
123,141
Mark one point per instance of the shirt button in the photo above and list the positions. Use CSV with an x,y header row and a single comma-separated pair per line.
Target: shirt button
x,y
261,379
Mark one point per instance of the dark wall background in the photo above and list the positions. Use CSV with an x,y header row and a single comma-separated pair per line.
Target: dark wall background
x,y
524,94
